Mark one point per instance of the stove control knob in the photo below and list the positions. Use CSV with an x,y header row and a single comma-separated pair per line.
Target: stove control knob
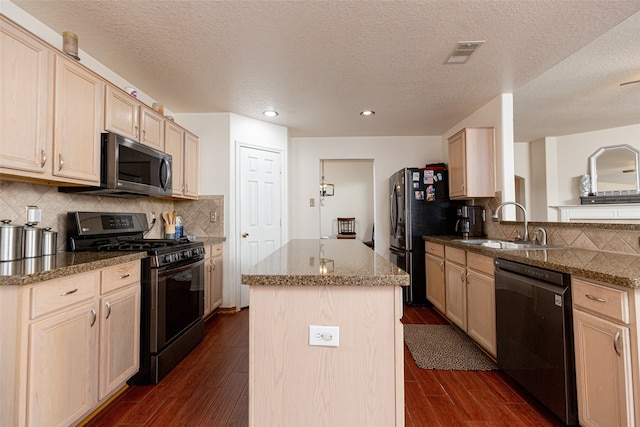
x,y
185,254
166,258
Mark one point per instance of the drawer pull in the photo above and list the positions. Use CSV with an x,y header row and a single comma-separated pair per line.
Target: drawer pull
x,y
595,298
108,304
616,338
124,276
69,292
95,316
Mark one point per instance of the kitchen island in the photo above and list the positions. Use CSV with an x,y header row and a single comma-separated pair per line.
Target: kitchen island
x,y
339,283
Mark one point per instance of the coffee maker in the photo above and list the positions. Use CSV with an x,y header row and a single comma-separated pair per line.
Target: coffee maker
x,y
470,221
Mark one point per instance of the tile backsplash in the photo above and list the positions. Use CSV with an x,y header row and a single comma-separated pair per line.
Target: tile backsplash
x,y
16,196
618,238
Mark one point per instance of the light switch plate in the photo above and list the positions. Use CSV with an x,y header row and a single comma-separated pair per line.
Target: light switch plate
x,y
324,336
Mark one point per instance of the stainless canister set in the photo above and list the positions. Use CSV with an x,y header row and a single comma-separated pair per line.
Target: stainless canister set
x,y
28,241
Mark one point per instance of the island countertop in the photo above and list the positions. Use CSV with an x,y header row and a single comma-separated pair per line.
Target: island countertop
x,y
320,262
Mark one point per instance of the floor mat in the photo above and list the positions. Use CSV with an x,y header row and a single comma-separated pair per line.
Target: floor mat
x,y
445,347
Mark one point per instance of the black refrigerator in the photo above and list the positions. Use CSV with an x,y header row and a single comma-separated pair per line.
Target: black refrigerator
x,y
420,205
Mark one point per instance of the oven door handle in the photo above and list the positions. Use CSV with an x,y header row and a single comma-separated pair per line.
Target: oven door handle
x,y
168,270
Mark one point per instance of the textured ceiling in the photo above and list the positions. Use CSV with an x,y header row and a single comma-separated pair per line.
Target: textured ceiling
x,y
319,63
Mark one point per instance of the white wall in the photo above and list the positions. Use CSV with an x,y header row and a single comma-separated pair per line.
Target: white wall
x,y
555,163
354,196
221,134
573,156
389,154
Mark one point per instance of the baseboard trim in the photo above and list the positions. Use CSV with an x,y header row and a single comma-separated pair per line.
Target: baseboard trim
x,y
104,405
227,310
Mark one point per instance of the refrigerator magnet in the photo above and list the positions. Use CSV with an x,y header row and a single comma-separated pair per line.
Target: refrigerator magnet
x,y
428,177
416,185
439,176
419,195
416,176
431,194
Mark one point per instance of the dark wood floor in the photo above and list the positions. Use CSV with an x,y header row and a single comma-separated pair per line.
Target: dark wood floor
x,y
209,388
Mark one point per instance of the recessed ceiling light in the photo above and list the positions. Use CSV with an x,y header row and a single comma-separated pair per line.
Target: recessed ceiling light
x,y
367,113
270,113
462,52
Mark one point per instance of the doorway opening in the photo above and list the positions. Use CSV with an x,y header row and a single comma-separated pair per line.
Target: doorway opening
x,y
520,196
353,181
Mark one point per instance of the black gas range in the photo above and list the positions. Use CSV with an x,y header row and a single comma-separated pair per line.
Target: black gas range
x,y
172,303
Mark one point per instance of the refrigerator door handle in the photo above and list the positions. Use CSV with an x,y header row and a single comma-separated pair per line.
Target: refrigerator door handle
x,y
394,212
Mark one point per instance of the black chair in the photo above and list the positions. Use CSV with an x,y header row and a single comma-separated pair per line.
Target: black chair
x,y
346,228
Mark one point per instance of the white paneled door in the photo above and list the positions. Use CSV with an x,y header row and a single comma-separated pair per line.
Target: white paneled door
x,y
260,208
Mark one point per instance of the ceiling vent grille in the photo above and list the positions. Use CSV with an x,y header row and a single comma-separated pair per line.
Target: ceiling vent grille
x,y
463,52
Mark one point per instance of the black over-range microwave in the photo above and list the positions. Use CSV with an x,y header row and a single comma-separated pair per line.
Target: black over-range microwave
x,y
128,168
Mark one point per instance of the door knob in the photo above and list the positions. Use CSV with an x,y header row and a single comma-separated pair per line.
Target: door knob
x,y
245,235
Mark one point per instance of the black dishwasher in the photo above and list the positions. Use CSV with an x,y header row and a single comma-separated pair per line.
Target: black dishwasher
x,y
534,333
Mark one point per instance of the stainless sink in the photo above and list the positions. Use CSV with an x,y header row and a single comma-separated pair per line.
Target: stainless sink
x,y
506,244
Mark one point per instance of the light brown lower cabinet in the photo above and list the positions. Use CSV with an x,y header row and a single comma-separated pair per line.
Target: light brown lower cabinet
x,y
605,337
212,278
75,342
456,286
462,287
481,301
434,261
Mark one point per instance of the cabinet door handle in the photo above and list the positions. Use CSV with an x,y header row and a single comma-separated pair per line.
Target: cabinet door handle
x,y
95,316
462,277
108,305
442,266
136,131
616,338
213,266
144,135
124,276
595,298
60,161
461,187
68,292
43,156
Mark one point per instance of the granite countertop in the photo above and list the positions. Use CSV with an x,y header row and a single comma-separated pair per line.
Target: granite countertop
x,y
608,267
31,270
320,262
211,240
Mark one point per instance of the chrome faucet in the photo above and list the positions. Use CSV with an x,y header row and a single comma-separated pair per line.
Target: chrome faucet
x,y
524,214
540,236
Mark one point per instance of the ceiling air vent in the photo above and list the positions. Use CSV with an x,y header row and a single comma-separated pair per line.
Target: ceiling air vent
x,y
462,52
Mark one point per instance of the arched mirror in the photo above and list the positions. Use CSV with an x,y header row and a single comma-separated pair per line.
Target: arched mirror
x,y
614,171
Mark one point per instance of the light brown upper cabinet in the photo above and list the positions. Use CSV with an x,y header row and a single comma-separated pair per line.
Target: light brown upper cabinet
x,y
471,163
191,144
183,148
78,112
127,116
51,109
26,104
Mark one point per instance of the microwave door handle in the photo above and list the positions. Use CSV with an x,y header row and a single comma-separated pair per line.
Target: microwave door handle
x,y
168,178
